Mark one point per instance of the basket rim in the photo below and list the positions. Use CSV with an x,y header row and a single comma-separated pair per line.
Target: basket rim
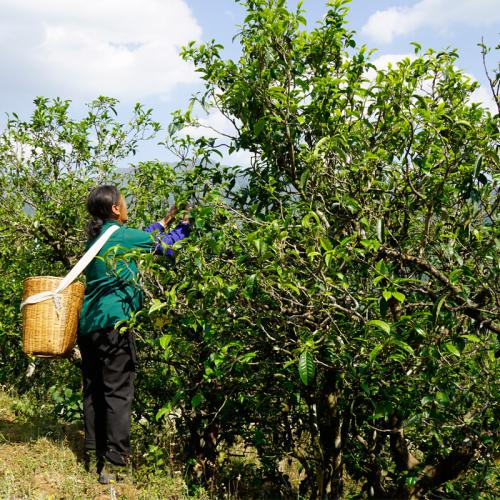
x,y
52,278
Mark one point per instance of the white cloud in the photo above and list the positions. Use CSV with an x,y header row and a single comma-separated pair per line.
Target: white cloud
x,y
384,25
83,48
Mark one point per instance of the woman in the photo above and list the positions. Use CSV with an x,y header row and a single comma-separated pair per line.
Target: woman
x,y
109,357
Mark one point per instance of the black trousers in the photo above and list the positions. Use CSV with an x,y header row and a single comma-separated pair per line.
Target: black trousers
x,y
108,368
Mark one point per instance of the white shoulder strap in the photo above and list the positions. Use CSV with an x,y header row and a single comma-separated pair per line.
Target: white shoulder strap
x,y
74,273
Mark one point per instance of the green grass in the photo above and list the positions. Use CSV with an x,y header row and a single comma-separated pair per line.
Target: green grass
x,y
41,458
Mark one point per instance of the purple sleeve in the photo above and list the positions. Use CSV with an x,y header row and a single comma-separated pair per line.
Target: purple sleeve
x,y
155,227
180,232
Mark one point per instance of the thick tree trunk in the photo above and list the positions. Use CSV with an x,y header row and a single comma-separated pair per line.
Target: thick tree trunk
x,y
332,428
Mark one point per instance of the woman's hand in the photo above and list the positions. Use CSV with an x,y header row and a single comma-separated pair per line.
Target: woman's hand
x,y
170,215
187,213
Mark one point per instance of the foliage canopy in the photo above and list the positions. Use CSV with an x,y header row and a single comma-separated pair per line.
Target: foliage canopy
x,y
336,305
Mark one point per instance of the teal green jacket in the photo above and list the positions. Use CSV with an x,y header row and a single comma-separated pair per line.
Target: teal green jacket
x,y
112,293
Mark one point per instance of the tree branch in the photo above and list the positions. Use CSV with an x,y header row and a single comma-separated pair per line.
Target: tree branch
x,y
448,469
471,309
403,459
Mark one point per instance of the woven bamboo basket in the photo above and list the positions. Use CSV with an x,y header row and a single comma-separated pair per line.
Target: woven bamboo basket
x,y
47,333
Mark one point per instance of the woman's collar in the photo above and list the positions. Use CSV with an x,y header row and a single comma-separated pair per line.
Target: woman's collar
x,y
114,222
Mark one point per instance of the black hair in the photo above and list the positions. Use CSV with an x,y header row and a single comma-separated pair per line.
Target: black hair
x,y
99,204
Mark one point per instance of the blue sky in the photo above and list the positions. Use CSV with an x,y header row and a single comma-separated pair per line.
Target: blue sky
x,y
128,49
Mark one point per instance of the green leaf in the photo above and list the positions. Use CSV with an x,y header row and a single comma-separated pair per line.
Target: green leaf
x,y
165,340
442,397
374,352
246,358
304,178
157,305
411,481
259,127
478,166
380,324
372,245
307,368
306,221
328,258
386,294
162,411
261,246
453,349
472,338
426,399
326,244
438,307
292,287
398,296
196,400
417,46
250,281
404,346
